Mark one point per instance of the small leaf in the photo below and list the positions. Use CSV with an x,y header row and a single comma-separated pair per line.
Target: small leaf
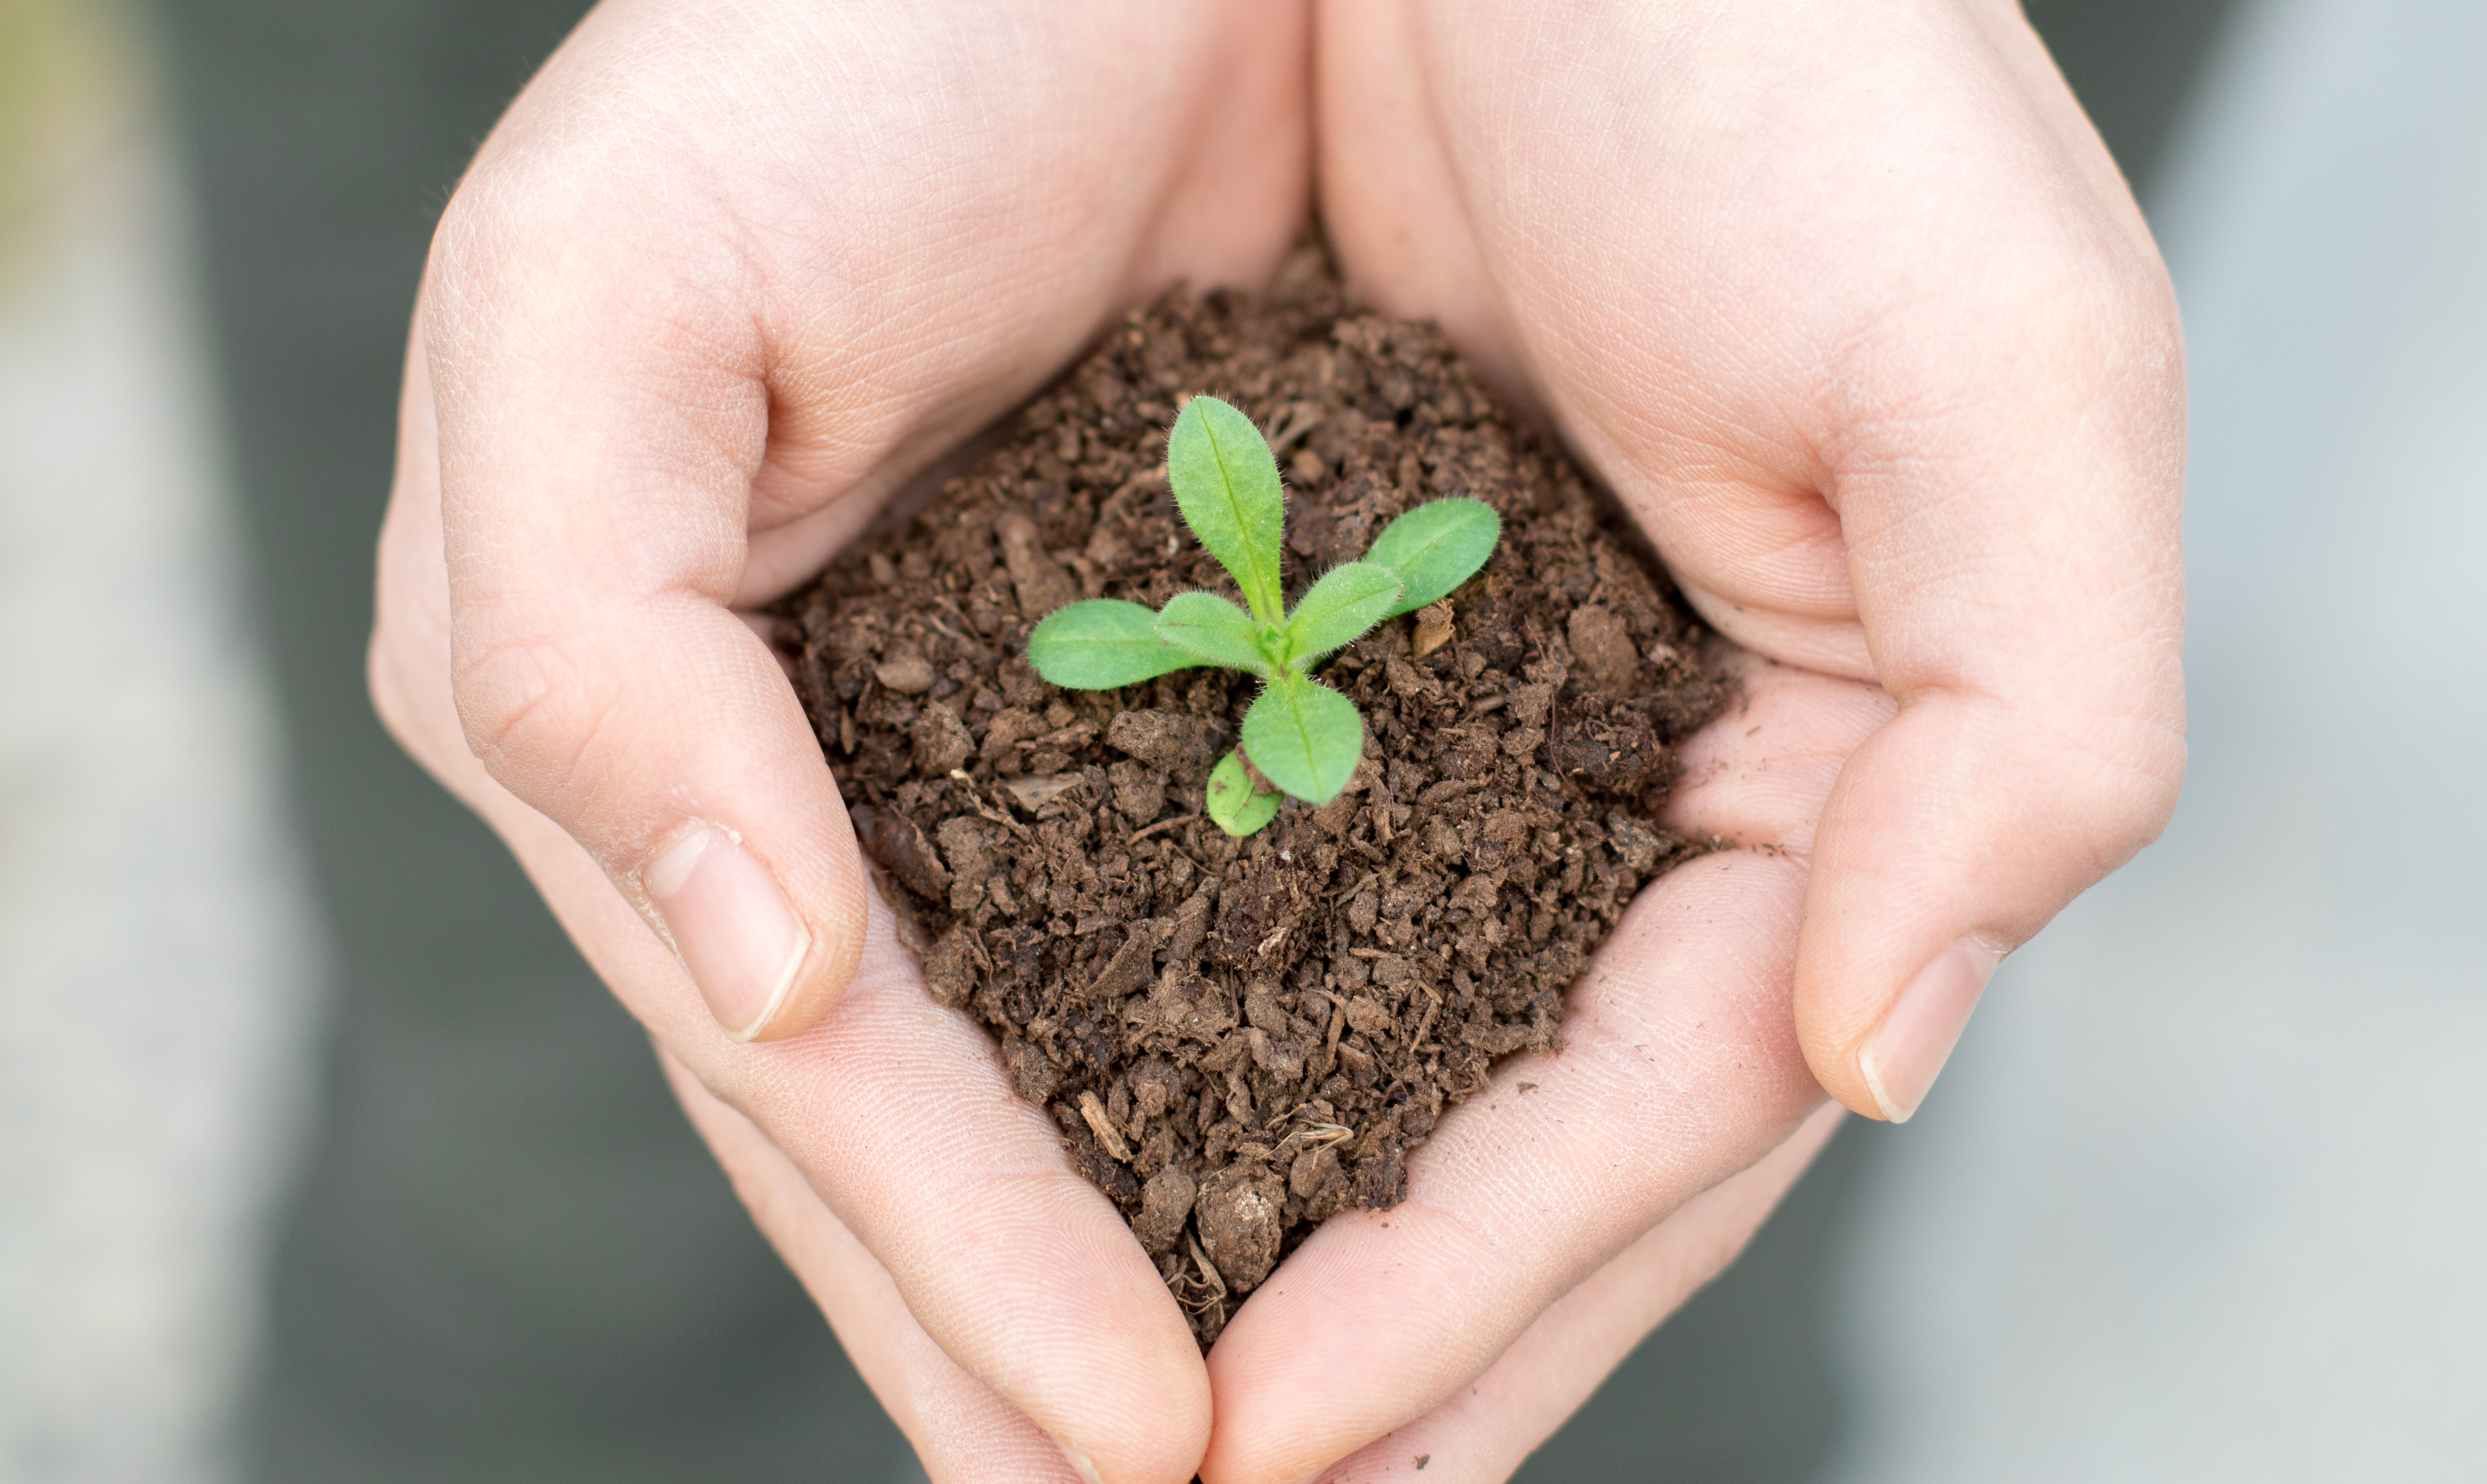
x,y
1219,632
1235,805
1103,643
1226,484
1436,547
1304,737
1340,608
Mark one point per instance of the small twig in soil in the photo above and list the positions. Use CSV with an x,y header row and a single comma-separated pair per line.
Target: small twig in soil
x,y
1034,794
942,628
1001,817
1147,479
1211,1282
1301,420
1417,1042
1106,1135
1146,831
1337,1023
1319,1136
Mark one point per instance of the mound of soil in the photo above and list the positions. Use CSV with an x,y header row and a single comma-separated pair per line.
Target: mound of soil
x,y
1238,1038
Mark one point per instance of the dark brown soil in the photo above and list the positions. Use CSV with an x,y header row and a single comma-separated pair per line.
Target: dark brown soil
x,y
1237,1038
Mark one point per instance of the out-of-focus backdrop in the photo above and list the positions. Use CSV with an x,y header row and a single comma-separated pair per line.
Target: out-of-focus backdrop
x,y
322,1158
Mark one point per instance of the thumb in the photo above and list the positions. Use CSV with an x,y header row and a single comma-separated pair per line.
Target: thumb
x,y
595,474
2017,574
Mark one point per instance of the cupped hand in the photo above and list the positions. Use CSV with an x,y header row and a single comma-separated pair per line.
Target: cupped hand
x,y
727,273
1849,306
1845,301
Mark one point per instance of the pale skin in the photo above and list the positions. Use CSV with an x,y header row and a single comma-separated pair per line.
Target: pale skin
x,y
1845,300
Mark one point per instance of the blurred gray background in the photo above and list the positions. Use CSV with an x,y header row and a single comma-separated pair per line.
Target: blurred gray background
x,y
322,1158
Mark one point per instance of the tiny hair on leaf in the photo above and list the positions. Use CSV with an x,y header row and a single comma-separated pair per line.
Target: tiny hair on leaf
x,y
1340,608
1219,632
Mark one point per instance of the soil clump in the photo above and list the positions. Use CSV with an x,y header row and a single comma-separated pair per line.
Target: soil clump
x,y
1238,1039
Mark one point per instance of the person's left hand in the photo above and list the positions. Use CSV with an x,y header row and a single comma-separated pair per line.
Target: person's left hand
x,y
1846,302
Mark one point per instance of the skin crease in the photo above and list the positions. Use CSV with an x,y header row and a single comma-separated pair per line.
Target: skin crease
x,y
1846,302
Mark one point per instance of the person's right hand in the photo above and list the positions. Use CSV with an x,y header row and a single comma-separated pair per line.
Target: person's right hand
x,y
727,273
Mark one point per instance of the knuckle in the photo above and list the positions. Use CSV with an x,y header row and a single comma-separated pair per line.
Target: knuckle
x,y
571,218
2110,783
526,223
474,247
2066,339
2116,317
536,714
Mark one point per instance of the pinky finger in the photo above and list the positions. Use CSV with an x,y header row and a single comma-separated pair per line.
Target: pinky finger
x,y
961,1429
1485,1433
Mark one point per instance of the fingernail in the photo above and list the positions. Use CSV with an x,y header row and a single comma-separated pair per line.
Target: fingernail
x,y
1901,1059
1080,1463
732,926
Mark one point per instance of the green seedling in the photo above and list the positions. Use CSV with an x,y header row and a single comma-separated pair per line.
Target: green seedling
x,y
1303,736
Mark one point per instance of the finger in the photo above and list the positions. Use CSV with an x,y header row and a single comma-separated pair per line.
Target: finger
x,y
2016,559
1485,1431
1679,1069
599,671
2013,530
601,425
960,1428
898,1112
651,340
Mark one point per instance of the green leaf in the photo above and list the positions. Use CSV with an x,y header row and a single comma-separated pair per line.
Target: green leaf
x,y
1103,643
1226,484
1436,547
1209,626
1340,608
1235,805
1304,737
